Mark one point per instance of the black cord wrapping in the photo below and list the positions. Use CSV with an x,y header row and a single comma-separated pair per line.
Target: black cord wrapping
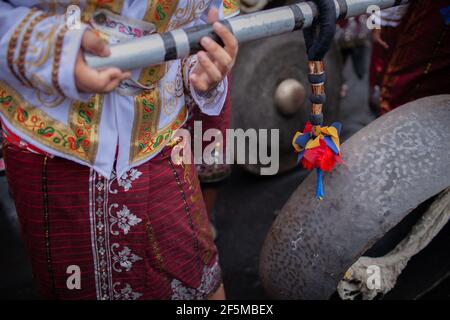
x,y
319,36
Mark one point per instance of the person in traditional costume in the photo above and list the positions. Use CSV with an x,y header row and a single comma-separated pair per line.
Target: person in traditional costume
x,y
419,62
352,41
88,152
384,38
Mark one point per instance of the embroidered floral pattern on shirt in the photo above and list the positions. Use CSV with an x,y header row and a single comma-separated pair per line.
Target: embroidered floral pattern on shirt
x,y
127,29
188,13
121,27
230,7
79,139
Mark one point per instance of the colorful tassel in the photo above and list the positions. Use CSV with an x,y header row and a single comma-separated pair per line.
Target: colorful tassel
x,y
318,147
320,152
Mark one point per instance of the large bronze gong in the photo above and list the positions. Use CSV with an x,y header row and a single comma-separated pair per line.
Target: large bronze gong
x,y
391,167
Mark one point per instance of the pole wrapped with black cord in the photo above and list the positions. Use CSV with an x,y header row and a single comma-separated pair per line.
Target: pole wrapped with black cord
x,y
181,43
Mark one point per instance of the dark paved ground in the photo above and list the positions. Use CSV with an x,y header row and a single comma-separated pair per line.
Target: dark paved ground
x,y
15,272
244,212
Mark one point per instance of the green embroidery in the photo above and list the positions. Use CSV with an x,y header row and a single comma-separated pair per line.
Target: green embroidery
x,y
48,132
85,116
5,100
158,141
161,14
150,106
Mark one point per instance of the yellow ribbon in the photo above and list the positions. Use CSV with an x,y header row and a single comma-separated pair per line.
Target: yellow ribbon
x,y
322,133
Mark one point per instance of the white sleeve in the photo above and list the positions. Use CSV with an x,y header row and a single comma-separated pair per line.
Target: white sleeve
x,y
39,51
212,101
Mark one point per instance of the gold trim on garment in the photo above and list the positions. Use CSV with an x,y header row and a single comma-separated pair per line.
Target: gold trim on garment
x,y
79,139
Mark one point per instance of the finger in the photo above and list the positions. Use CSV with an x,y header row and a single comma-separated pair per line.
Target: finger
x,y
112,85
110,79
92,43
94,81
97,82
210,68
199,84
377,38
86,78
383,43
221,57
230,41
126,75
213,15
115,81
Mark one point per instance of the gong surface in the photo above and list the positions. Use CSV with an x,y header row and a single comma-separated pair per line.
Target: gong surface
x,y
390,167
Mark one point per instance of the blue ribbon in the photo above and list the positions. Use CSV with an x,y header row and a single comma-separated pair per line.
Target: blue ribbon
x,y
319,189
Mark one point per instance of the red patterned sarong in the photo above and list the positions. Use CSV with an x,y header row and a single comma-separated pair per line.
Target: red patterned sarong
x,y
144,235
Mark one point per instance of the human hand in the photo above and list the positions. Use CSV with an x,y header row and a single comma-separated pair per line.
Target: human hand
x,y
91,80
216,61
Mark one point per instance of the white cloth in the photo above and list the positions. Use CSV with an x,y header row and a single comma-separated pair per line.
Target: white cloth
x,y
391,17
356,280
118,114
